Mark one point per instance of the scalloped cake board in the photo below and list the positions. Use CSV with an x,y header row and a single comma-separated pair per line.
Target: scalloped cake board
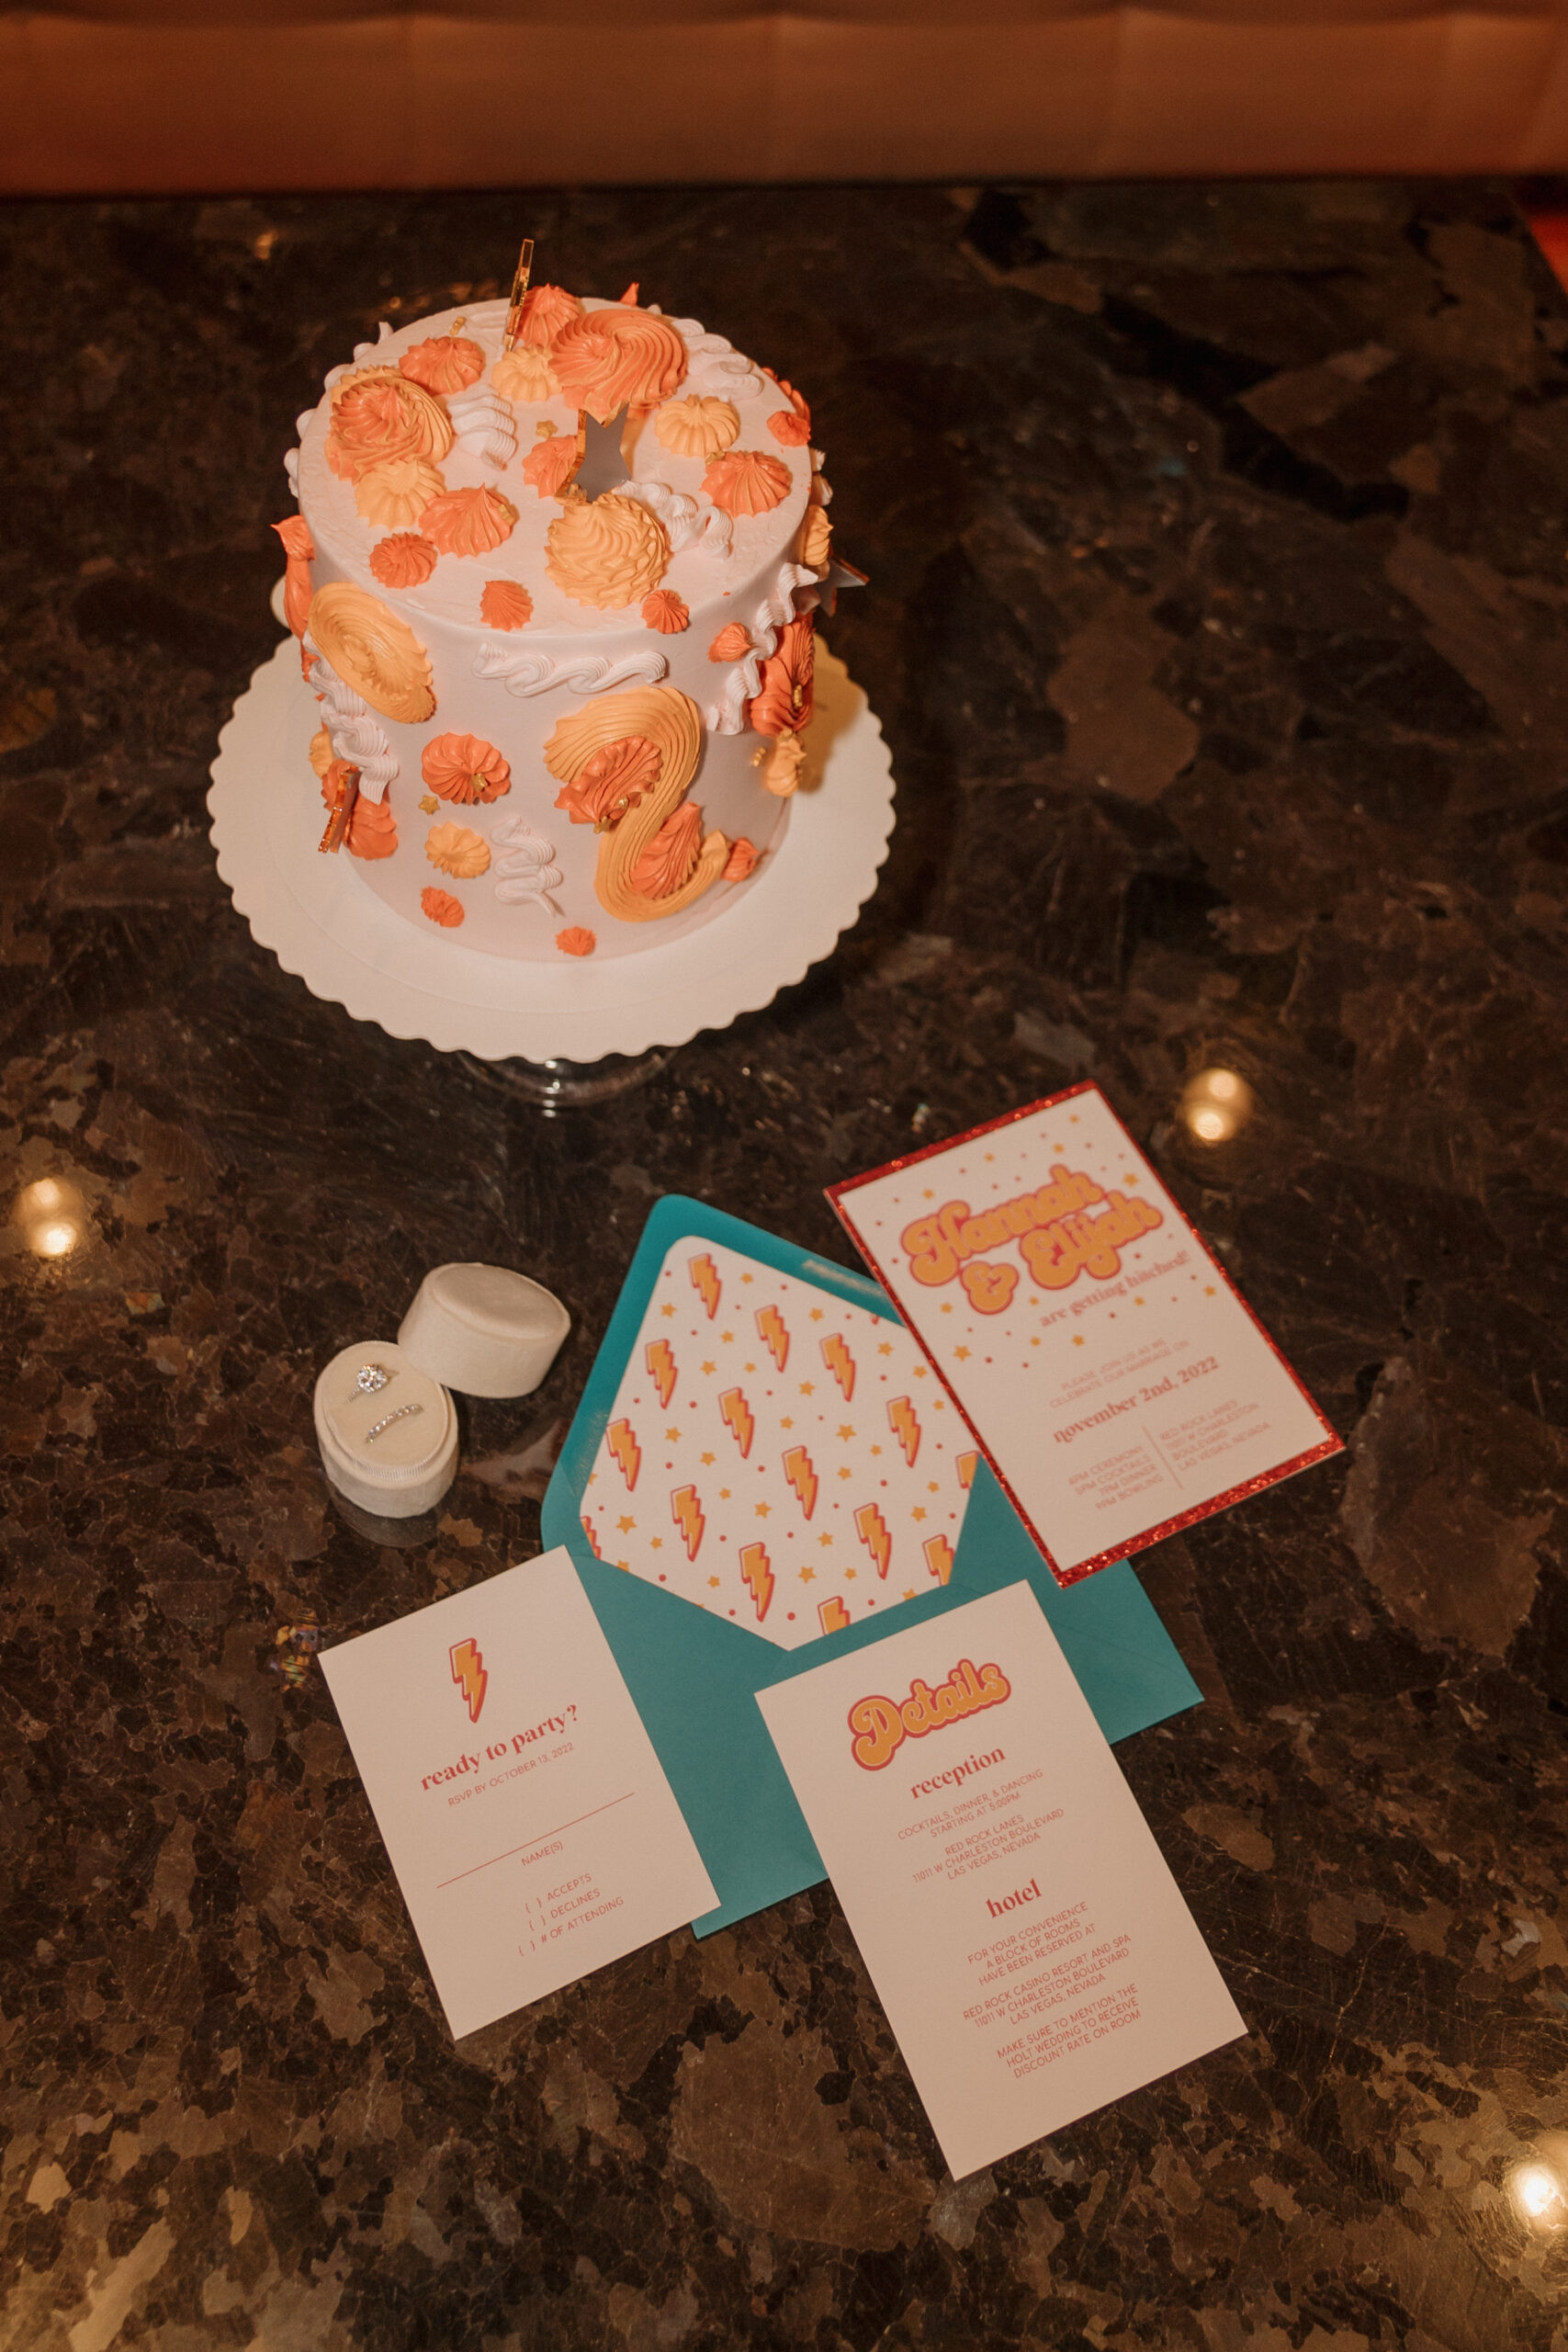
x,y
326,927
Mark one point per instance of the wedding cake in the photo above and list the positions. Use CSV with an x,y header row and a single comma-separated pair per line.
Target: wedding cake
x,y
553,576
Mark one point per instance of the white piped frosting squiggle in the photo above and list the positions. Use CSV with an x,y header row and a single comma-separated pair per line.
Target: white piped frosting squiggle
x,y
484,424
351,732
582,674
714,365
688,522
527,871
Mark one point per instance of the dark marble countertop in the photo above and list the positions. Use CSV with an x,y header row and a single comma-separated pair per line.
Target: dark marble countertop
x,y
1218,628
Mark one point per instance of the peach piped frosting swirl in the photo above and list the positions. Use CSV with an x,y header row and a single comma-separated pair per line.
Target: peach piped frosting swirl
x,y
444,363
747,481
456,850
613,359
465,768
372,652
548,311
405,560
397,492
379,414
697,427
525,374
606,553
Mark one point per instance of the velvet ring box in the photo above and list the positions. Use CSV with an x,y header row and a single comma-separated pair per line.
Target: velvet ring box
x,y
385,1420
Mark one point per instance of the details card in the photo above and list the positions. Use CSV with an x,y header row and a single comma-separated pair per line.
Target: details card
x,y
1114,1380
1025,1936
532,1829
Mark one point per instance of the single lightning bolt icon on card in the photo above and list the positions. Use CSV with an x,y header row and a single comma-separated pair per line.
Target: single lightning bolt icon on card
x,y
468,1674
757,1570
738,1419
840,1363
772,1330
872,1529
660,1360
705,1281
624,1451
687,1513
797,1469
905,1424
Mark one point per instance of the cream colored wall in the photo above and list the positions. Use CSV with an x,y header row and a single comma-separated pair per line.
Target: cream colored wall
x,y
152,95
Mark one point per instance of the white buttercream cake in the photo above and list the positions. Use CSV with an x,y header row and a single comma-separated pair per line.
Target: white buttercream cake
x,y
556,601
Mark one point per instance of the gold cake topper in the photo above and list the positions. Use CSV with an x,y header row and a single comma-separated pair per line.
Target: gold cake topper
x,y
519,289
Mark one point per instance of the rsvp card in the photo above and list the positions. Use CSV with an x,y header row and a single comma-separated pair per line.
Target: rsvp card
x,y
532,1829
1031,1947
1116,1383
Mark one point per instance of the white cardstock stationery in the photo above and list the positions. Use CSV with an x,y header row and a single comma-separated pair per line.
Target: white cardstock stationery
x,y
1111,1376
1031,1950
532,1829
775,1454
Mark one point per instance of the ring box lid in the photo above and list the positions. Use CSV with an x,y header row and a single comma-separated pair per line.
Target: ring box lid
x,y
483,1330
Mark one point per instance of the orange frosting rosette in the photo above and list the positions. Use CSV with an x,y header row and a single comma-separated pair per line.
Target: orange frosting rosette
x,y
525,374
610,359
469,522
790,431
664,611
731,644
747,481
444,363
405,560
698,426
372,652
613,780
457,850
782,705
442,908
743,857
797,401
397,492
505,603
548,311
575,940
465,768
607,553
379,414
551,464
666,864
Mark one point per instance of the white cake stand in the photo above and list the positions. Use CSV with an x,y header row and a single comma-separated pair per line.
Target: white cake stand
x,y
327,927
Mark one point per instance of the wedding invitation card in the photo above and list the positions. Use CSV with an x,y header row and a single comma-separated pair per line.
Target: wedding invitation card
x,y
1116,1383
1026,1938
531,1827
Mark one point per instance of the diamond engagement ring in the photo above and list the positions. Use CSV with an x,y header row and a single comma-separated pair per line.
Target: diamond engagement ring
x,y
370,1377
401,1414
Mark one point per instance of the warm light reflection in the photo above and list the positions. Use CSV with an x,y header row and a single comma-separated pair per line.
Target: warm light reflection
x,y
51,1215
1537,2196
1216,1105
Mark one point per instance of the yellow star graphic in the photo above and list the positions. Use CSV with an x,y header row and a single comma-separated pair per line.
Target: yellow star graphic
x,y
727,1339
885,1349
876,1449
591,1476
623,1526
910,1594
808,1388
667,1308
714,1582
761,1509
851,1574
928,1196
816,1314
724,1494
624,1563
917,1510
674,1436
962,1353
1035,1343
656,1543
947,1306
1131,1180
745,1278
1208,1290
808,1576
931,1487
1137,1302
710,1367
429,804
786,1423
707,1460
748,1367
1077,1338
826,1542
846,1472
844,1430
920,1371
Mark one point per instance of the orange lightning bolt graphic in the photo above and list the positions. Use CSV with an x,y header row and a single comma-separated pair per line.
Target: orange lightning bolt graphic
x,y
939,1558
660,1362
967,1464
771,1325
797,1469
687,1513
759,1575
840,1363
592,1540
905,1426
872,1529
705,1281
832,1615
738,1419
468,1674
624,1451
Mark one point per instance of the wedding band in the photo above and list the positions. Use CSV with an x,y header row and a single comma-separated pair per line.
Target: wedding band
x,y
401,1414
370,1378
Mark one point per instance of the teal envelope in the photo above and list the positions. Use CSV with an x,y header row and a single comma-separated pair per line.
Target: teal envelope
x,y
692,1676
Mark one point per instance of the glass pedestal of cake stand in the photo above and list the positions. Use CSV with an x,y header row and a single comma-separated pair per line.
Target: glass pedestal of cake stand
x,y
555,1086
